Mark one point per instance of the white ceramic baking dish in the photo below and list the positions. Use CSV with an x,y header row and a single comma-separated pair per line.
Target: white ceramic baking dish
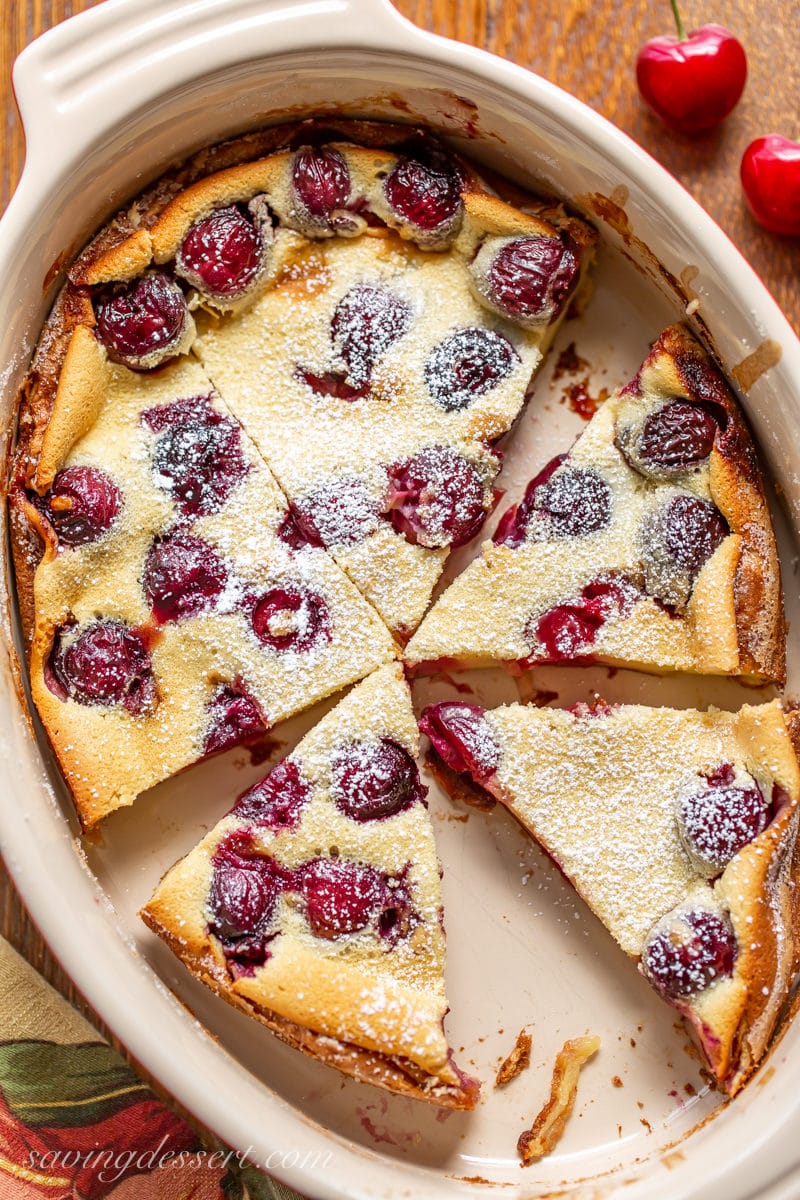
x,y
108,100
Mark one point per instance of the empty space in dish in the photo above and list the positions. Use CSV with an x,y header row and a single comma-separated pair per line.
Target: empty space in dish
x,y
523,950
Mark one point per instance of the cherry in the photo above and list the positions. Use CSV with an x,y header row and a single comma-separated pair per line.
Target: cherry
x,y
692,529
466,364
340,513
106,664
425,193
320,180
291,618
513,525
687,952
197,456
528,279
694,81
436,498
567,631
82,504
144,323
575,501
679,435
341,897
233,718
221,254
717,820
374,780
182,577
365,324
460,735
276,801
770,174
244,894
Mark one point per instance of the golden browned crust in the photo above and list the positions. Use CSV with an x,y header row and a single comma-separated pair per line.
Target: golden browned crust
x,y
738,492
365,1066
517,1061
551,1122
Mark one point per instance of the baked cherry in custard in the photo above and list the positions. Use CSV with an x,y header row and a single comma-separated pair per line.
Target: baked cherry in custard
x,y
183,576
374,780
82,504
436,498
320,180
341,897
233,717
105,664
528,279
276,801
291,618
718,817
466,364
689,951
223,253
144,323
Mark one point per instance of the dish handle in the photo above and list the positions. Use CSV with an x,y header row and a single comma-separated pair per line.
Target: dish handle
x,y
91,72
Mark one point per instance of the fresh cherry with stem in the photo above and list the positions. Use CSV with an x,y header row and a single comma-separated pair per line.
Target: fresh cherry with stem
x,y
770,174
692,81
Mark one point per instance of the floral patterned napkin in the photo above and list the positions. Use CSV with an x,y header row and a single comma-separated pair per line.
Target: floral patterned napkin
x,y
77,1123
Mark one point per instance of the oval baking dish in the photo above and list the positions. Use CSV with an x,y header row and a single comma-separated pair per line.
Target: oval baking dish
x,y
108,101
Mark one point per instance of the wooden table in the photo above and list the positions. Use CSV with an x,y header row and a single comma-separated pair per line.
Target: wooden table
x,y
589,48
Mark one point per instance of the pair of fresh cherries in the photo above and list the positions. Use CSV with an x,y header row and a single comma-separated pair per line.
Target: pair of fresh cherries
x,y
693,82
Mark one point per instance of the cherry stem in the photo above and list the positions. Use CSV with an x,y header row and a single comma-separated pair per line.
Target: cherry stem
x,y
678,21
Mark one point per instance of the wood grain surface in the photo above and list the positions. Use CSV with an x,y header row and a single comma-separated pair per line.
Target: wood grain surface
x,y
590,50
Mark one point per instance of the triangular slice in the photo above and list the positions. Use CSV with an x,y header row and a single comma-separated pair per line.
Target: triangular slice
x,y
648,545
168,618
315,904
678,829
388,340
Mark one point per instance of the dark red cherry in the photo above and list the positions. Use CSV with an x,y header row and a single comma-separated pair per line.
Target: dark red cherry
x,y
436,498
691,530
199,462
221,253
341,897
291,618
532,278
568,631
466,364
460,734
82,504
233,718
367,321
339,513
321,180
576,501
183,576
106,664
513,525
276,801
679,435
244,893
425,193
374,780
143,324
717,820
688,952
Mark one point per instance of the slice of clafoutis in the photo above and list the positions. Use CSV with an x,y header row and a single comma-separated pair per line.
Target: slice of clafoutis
x,y
400,318
169,619
677,828
315,904
648,545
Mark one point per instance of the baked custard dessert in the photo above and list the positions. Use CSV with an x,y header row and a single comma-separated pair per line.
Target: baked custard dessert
x,y
678,829
315,904
648,545
171,620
